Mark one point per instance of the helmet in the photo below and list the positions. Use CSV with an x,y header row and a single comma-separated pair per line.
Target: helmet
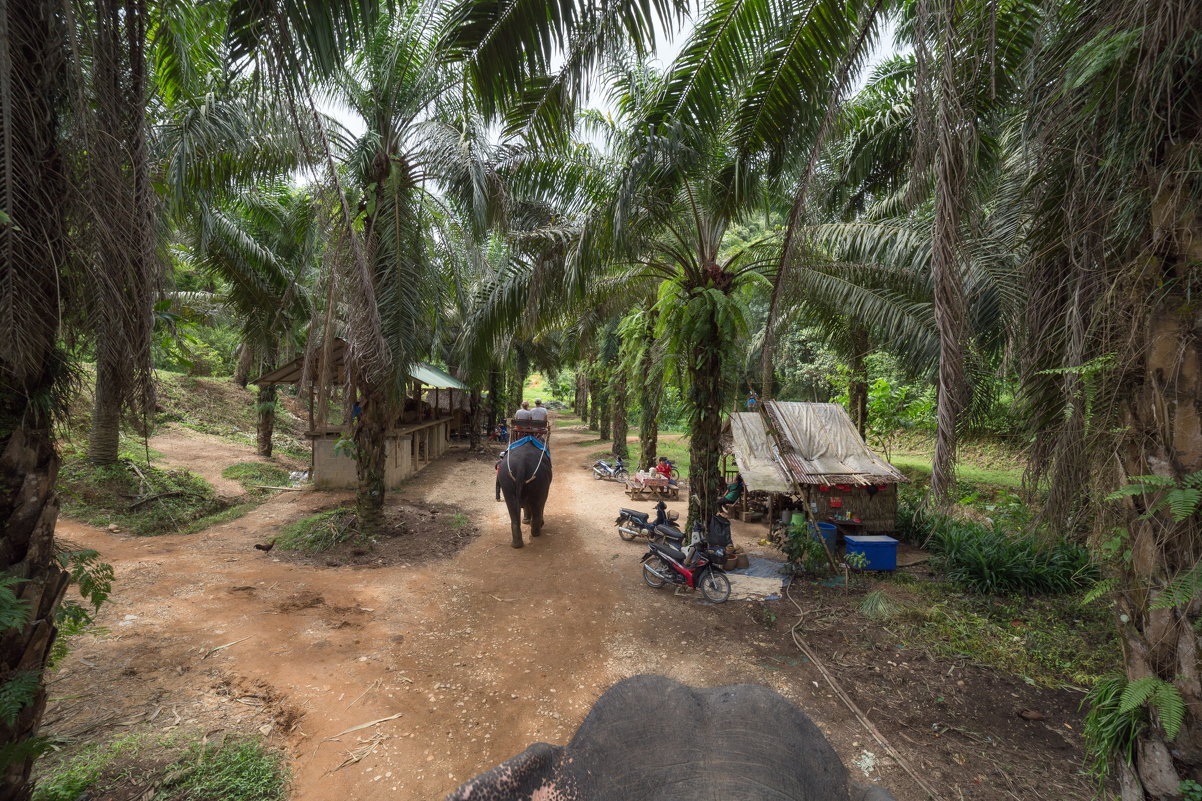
x,y
673,515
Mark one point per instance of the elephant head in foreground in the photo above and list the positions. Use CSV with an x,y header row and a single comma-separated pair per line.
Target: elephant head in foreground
x,y
524,476
649,738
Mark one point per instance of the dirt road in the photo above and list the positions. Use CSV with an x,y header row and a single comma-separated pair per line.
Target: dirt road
x,y
466,661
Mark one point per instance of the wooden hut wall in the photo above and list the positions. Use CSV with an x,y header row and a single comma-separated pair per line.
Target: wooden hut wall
x,y
877,511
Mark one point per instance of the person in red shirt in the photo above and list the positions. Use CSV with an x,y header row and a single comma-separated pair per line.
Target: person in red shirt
x,y
663,468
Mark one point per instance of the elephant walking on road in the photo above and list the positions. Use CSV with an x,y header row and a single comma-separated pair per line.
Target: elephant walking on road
x,y
649,738
524,477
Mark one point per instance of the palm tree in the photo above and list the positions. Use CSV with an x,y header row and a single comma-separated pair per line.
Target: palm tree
x,y
423,151
1113,342
47,273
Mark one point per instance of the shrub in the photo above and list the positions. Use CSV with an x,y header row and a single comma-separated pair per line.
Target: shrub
x,y
319,532
983,561
139,498
252,475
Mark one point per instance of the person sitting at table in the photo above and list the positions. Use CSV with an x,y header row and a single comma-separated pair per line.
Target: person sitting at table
x,y
664,469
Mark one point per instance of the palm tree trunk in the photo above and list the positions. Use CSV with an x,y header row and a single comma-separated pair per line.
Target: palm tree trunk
x,y
1161,423
33,246
604,419
954,133
246,362
581,406
618,400
494,402
370,461
857,387
266,408
594,410
651,394
104,438
705,427
473,421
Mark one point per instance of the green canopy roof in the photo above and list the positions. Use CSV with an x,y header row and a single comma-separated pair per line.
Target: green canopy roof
x,y
431,376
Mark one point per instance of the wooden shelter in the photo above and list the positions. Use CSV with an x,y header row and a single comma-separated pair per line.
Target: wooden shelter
x,y
420,434
812,454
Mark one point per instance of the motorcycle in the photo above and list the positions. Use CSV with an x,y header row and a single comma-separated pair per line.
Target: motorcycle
x,y
698,567
663,528
603,469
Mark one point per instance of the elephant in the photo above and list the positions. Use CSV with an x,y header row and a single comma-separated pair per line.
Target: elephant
x,y
524,476
649,738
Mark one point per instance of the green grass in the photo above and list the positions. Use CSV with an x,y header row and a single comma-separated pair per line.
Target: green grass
x,y
252,475
1049,641
238,769
174,499
319,532
459,520
171,767
918,466
217,518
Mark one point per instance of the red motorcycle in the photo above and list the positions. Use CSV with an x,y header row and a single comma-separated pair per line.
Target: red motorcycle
x,y
697,567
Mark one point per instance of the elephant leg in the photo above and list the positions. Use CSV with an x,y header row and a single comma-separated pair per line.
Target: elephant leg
x,y
515,517
537,502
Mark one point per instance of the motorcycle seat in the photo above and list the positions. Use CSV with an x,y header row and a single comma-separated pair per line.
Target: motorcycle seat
x,y
669,551
674,534
633,515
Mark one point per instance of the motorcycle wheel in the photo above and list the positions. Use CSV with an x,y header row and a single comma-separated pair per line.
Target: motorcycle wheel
x,y
715,586
675,473
621,475
624,534
652,579
596,475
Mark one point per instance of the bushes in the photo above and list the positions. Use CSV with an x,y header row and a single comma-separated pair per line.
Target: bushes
x,y
138,498
983,561
319,532
995,559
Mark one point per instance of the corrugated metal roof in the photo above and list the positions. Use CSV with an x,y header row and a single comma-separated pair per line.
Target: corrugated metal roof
x,y
431,376
291,372
804,443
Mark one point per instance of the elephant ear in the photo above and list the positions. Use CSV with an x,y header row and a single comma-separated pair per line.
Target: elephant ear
x,y
515,779
869,792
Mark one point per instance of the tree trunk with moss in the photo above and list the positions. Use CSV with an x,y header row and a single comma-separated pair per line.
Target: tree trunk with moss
x,y
617,397
371,460
650,377
705,424
266,407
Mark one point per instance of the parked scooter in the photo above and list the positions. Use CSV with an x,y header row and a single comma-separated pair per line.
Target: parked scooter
x,y
603,469
663,528
699,566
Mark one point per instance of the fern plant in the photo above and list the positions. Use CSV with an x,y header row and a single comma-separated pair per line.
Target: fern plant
x,y
1181,497
1158,695
1110,732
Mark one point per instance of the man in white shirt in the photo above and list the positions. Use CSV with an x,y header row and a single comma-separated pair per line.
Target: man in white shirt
x,y
539,412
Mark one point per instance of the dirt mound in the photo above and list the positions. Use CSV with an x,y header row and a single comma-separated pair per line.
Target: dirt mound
x,y
413,534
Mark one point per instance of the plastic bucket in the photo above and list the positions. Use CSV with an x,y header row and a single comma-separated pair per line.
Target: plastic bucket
x,y
830,533
799,519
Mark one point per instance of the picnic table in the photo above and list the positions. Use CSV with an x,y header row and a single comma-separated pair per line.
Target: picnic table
x,y
644,486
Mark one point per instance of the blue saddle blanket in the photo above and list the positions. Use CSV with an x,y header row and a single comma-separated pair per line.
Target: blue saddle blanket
x,y
542,446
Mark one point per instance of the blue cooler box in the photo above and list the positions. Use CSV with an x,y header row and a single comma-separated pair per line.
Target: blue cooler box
x,y
879,550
